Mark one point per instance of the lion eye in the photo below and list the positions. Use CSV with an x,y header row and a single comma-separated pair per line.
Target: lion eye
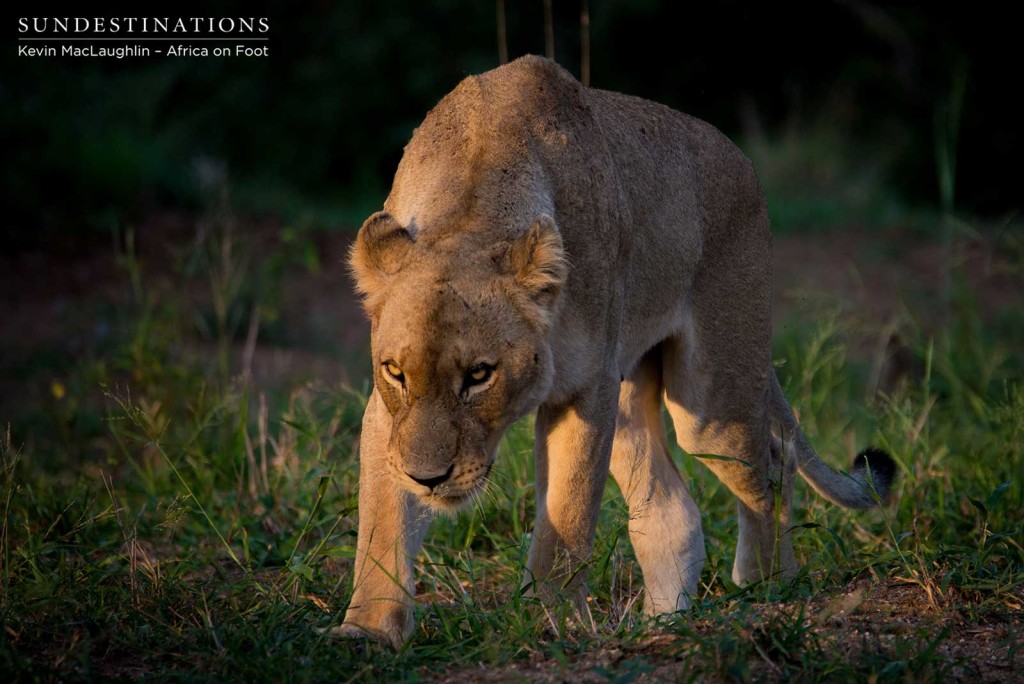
x,y
477,375
393,369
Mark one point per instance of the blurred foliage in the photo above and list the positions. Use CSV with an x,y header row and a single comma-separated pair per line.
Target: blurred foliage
x,y
314,132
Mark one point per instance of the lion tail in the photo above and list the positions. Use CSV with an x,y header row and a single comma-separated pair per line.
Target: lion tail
x,y
869,481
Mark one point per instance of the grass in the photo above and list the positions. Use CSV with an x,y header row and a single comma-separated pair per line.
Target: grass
x,y
164,516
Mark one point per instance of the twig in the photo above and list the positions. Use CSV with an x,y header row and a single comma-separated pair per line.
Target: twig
x,y
250,344
549,31
129,539
585,44
502,34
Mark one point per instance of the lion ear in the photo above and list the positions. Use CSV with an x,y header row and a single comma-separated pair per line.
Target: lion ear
x,y
537,261
380,250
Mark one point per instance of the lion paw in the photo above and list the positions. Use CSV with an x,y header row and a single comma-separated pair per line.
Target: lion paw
x,y
393,629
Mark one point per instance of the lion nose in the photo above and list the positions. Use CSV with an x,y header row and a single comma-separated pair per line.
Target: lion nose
x,y
432,482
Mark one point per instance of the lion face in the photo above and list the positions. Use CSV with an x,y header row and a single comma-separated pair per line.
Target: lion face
x,y
455,364
459,348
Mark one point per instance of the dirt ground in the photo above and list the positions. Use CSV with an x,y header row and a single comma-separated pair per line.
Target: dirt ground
x,y
863,617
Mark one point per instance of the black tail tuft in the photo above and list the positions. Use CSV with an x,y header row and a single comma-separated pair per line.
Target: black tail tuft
x,y
881,467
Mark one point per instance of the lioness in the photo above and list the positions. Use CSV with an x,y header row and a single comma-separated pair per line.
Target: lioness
x,y
587,255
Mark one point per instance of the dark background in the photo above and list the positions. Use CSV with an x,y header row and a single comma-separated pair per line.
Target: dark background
x,y
313,133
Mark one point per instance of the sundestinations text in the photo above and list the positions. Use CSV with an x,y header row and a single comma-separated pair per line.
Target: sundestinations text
x,y
57,26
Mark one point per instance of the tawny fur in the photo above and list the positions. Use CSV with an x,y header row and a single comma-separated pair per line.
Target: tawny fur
x,y
603,255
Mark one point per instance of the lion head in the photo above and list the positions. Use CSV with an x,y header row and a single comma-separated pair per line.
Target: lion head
x,y
459,340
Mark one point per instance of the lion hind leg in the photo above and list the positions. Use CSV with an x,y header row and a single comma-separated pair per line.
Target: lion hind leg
x,y
717,403
664,522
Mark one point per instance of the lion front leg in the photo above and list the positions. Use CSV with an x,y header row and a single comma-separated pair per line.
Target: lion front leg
x,y
392,525
572,449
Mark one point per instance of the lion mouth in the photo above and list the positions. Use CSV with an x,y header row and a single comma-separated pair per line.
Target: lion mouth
x,y
448,497
453,500
448,500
